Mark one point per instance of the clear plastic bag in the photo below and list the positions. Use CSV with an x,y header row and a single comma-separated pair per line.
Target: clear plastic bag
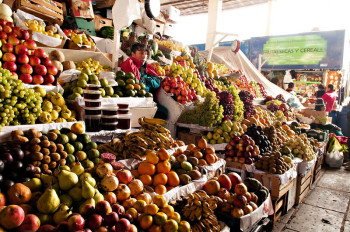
x,y
334,159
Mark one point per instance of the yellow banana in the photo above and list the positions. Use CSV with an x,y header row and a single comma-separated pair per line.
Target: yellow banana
x,y
157,121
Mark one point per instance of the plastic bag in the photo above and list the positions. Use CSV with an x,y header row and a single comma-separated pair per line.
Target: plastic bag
x,y
334,159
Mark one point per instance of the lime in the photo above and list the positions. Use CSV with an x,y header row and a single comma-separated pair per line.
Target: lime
x,y
149,95
120,73
88,164
69,148
82,83
87,71
96,160
80,155
130,81
121,83
91,145
73,96
142,92
84,138
109,91
129,93
103,92
95,82
143,86
129,86
93,77
78,90
120,93
72,137
62,139
70,159
83,77
93,153
129,75
78,146
104,82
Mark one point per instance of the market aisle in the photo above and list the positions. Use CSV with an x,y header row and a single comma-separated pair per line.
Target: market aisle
x,y
325,209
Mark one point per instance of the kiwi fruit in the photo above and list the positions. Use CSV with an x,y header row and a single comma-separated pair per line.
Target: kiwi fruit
x,y
68,65
57,55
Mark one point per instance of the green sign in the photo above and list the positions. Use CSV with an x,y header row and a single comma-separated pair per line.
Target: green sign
x,y
295,50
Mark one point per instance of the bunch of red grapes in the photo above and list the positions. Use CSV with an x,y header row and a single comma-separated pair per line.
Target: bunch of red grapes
x,y
247,99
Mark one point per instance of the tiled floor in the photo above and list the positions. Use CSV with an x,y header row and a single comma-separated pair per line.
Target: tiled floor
x,y
325,208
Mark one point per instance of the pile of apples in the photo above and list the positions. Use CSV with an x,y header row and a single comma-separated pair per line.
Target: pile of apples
x,y
21,56
177,86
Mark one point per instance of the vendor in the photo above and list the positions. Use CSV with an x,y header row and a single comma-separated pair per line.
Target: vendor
x,y
145,73
329,98
321,90
290,88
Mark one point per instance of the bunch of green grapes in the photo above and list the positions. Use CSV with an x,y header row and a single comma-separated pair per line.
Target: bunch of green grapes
x,y
238,106
18,105
280,116
208,113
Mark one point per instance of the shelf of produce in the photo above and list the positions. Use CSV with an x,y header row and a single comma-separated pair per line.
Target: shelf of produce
x,y
248,222
5,134
243,169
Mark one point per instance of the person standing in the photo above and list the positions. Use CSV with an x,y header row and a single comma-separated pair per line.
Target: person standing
x,y
321,90
329,98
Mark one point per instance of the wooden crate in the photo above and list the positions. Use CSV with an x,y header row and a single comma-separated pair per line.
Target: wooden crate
x,y
318,167
237,167
279,207
42,9
272,183
303,186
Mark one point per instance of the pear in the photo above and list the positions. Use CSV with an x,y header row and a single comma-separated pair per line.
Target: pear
x,y
78,169
88,191
76,193
67,180
45,218
98,196
87,177
48,180
66,199
33,184
48,202
61,214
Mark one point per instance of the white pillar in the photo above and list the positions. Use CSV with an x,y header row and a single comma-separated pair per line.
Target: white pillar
x,y
214,9
268,23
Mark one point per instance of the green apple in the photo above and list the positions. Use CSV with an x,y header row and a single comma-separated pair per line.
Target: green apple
x,y
47,106
83,76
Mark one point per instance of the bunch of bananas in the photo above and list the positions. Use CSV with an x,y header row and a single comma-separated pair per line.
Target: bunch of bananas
x,y
151,136
200,211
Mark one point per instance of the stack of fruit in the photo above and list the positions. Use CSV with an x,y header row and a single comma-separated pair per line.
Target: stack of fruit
x,y
301,147
129,86
160,69
80,38
177,86
93,65
40,26
224,132
260,139
172,45
274,135
208,113
274,163
242,150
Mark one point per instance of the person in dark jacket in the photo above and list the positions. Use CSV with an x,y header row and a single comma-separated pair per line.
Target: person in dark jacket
x,y
321,90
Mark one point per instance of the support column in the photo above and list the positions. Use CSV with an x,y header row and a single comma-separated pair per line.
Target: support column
x,y
214,9
268,23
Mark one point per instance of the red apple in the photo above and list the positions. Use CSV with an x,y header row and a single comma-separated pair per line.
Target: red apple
x,y
39,52
1,28
235,178
26,69
9,57
21,49
76,222
49,79
173,80
26,78
183,102
3,35
178,92
2,200
13,40
241,189
237,212
33,60
3,22
241,160
124,176
47,228
30,44
179,98
103,208
38,79
172,90
10,24
223,193
31,223
94,221
86,210
24,34
185,98
178,78
52,70
173,85
11,217
40,70
7,29
17,30
23,59
10,66
166,88
119,209
46,62
122,225
225,182
111,219
7,48
239,200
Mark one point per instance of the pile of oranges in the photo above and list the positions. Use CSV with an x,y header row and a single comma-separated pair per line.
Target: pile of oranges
x,y
156,171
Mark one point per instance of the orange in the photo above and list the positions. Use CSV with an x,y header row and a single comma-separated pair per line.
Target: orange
x,y
163,167
209,150
137,87
133,212
202,162
184,226
160,178
140,205
155,228
160,218
190,146
160,189
77,128
175,216
146,179
135,173
163,154
146,168
179,58
151,209
159,200
170,226
173,179
168,210
146,222
210,158
151,157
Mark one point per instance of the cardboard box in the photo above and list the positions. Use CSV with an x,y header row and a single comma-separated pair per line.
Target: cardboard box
x,y
82,9
101,22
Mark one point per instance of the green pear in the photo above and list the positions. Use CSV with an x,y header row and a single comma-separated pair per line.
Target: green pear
x,y
48,202
67,180
45,218
98,196
87,177
48,180
76,193
66,199
88,201
88,191
78,169
34,184
61,214
209,135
